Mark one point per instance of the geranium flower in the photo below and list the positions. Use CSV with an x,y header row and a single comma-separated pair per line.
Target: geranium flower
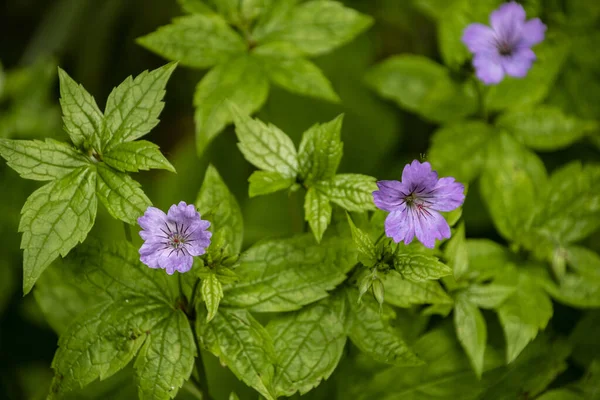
x,y
505,48
414,203
172,240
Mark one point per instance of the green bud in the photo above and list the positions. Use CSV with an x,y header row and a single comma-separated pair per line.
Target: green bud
x,y
378,291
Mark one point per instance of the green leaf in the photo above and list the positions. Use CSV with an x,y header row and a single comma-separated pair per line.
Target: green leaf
x,y
488,296
133,107
241,81
372,333
265,146
81,116
367,253
317,211
195,7
266,182
584,261
293,73
571,207
121,195
486,259
352,192
103,341
419,267
212,293
576,291
457,252
420,85
166,359
41,161
522,315
544,128
321,150
215,199
242,344
514,93
459,149
197,40
113,270
319,26
309,344
471,331
284,275
273,19
136,156
510,186
404,293
54,219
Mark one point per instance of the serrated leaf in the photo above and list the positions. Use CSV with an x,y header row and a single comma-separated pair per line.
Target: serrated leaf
x,y
321,150
510,186
372,333
197,40
544,128
242,344
404,293
133,107
317,211
212,293
367,253
166,359
54,219
136,156
457,252
41,161
266,182
265,146
419,267
284,275
81,115
273,18
294,73
103,341
571,206
488,296
214,198
308,344
113,270
319,26
522,315
471,331
459,149
486,259
241,81
420,85
121,195
576,291
352,192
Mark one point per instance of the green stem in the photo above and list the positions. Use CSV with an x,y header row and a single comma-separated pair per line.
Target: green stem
x,y
127,229
193,296
379,238
201,381
481,98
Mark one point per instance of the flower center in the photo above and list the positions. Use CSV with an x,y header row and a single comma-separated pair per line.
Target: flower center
x,y
411,199
177,241
505,49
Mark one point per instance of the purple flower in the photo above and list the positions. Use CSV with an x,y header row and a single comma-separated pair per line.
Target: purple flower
x,y
505,48
171,240
414,203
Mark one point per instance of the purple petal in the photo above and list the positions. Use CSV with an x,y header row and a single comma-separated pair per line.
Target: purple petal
x,y
182,213
398,226
153,219
447,195
151,253
519,63
478,38
488,68
177,261
429,225
390,195
199,240
532,33
507,21
418,176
